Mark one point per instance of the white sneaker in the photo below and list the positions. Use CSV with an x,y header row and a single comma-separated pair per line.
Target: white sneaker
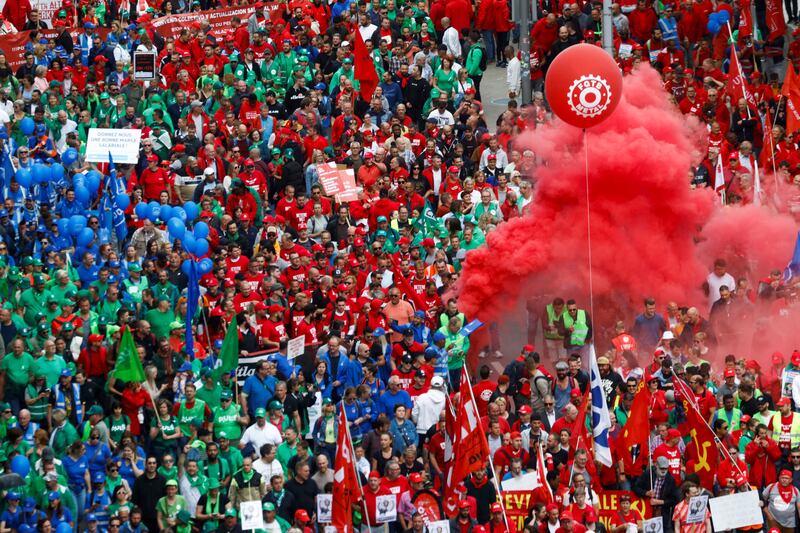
x,y
498,354
482,355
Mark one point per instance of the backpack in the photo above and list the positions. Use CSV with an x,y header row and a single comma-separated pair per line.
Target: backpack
x,y
483,62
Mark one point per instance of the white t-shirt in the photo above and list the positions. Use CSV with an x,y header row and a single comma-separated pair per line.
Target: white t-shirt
x,y
715,282
258,437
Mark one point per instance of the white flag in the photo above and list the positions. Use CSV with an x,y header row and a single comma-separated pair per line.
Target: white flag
x,y
719,179
601,420
756,185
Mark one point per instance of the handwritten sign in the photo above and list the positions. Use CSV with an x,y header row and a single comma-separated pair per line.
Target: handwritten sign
x,y
252,518
123,145
295,347
735,511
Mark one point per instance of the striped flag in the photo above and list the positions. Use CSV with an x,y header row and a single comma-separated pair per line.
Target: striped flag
x,y
601,421
719,179
470,328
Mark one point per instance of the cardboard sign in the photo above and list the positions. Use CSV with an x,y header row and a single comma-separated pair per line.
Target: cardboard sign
x,y
329,178
735,511
440,526
295,347
324,508
385,508
145,66
697,509
654,525
123,145
349,189
251,516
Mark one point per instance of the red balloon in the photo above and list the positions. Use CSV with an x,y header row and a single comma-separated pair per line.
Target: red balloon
x,y
583,85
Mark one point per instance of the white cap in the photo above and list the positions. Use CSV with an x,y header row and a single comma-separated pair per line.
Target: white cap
x,y
667,336
437,381
209,171
345,43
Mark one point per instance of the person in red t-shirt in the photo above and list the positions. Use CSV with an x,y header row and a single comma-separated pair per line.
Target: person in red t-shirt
x,y
625,516
569,524
503,456
483,390
669,449
497,521
153,179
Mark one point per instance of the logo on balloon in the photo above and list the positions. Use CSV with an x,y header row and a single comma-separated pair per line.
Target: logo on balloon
x,y
589,96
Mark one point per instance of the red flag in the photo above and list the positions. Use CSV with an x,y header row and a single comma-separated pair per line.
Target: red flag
x,y
791,91
636,431
745,20
776,24
737,85
470,449
345,480
579,437
364,68
702,454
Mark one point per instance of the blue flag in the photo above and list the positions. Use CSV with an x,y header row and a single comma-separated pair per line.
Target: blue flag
x,y
7,171
601,420
192,297
793,268
470,328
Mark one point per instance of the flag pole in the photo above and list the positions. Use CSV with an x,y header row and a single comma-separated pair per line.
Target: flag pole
x,y
491,461
717,442
353,455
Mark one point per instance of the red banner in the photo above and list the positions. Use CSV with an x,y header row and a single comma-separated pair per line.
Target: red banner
x,y
14,44
345,482
776,23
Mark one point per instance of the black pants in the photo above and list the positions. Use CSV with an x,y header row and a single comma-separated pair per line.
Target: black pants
x,y
502,42
791,8
476,81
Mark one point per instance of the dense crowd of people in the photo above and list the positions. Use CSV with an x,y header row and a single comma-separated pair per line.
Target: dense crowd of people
x,y
239,124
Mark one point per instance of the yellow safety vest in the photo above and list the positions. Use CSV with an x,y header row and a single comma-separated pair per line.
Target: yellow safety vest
x,y
551,320
794,431
581,331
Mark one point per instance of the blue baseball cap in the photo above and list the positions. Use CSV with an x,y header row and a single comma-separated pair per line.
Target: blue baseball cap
x,y
3,213
54,495
91,517
98,477
438,336
89,26
419,314
12,496
30,504
378,332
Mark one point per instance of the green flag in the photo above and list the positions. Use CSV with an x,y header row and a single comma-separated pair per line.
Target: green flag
x,y
128,367
229,354
426,222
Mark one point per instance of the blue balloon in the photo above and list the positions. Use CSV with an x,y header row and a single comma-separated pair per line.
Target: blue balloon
x,y
93,179
26,125
76,224
64,527
85,237
176,228
189,242
200,247
713,26
186,266
24,177
82,195
123,201
191,210
41,173
63,226
205,265
20,464
142,210
155,211
201,230
69,156
56,172
724,16
180,213
166,212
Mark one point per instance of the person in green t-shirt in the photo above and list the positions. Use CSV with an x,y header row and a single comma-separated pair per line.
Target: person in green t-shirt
x,y
117,424
168,507
229,417
230,453
16,369
287,449
210,391
50,364
161,317
168,470
165,431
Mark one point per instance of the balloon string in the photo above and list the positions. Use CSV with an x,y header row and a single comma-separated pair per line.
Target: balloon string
x,y
588,221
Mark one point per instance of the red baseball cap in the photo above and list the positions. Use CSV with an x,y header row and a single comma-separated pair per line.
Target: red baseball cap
x,y
416,477
230,283
795,358
358,241
463,504
525,410
566,515
496,507
204,214
784,401
261,306
275,308
730,373
301,515
153,158
528,348
785,472
516,435
369,155
491,157
673,433
453,169
374,475
428,243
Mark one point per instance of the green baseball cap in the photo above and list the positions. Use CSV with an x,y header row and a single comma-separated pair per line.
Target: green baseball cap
x,y
26,261
184,516
171,483
42,328
38,278
52,299
269,507
275,404
261,412
67,327
231,512
213,483
104,96
134,267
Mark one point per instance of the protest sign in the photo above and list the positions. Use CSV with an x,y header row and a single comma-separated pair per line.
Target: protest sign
x,y
385,509
735,511
654,525
295,347
329,178
324,508
440,526
122,144
349,189
145,66
697,509
251,516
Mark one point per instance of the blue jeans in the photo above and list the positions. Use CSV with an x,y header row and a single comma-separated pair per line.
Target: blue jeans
x,y
488,41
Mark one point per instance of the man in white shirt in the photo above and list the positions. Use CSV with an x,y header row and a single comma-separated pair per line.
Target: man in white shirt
x,y
268,465
451,39
513,72
259,434
717,279
366,28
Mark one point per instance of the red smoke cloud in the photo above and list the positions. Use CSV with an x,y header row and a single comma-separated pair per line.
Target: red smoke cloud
x,y
644,216
651,234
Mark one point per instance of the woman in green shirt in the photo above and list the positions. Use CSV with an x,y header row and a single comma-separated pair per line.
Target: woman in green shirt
x,y
121,498
117,425
164,431
169,506
444,78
